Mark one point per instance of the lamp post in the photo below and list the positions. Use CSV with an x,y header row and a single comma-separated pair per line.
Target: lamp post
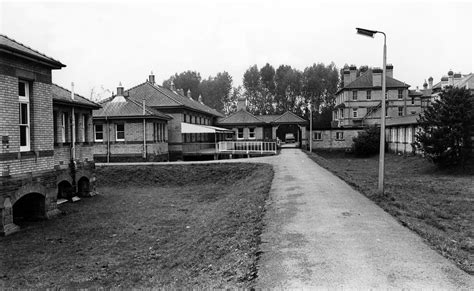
x,y
371,33
310,125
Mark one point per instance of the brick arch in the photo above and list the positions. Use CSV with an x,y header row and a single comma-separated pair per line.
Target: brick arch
x,y
31,187
84,186
64,177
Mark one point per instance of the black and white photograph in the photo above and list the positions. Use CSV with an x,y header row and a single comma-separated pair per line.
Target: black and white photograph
x,y
236,144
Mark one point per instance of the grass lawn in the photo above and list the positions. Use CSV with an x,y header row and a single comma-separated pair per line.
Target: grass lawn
x,y
439,206
150,226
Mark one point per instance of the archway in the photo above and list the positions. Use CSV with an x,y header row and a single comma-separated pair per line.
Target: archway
x,y
83,187
29,207
285,129
65,190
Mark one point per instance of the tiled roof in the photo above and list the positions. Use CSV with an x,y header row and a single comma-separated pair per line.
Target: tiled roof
x,y
365,80
12,46
157,96
245,117
466,80
240,117
61,94
289,117
128,108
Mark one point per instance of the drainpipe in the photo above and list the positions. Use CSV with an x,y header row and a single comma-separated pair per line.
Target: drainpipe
x,y
144,130
73,133
108,139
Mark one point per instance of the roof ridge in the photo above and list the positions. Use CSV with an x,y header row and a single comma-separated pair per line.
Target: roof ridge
x,y
161,89
23,45
78,95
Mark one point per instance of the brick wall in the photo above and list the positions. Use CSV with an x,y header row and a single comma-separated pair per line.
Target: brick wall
x,y
329,140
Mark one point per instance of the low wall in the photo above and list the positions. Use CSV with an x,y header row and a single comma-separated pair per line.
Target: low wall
x,y
333,139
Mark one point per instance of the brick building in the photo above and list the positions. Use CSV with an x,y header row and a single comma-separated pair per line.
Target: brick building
x,y
358,102
183,110
126,130
30,164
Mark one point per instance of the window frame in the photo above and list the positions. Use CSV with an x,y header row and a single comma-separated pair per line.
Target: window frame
x,y
355,113
96,131
339,135
24,100
317,135
400,94
354,95
252,133
117,132
369,95
239,129
400,110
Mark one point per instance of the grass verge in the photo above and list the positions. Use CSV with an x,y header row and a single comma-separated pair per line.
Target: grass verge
x,y
176,226
437,205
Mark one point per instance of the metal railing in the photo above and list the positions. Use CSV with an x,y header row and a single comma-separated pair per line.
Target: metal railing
x,y
247,147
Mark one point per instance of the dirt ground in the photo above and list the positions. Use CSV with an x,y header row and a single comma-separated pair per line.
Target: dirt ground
x,y
150,226
438,205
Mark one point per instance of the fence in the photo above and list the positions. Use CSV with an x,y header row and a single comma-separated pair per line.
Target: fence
x,y
247,147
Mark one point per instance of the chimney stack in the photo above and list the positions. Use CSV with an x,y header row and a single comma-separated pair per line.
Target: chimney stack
x,y
189,94
377,77
120,89
151,78
241,103
353,73
347,77
389,70
430,83
450,78
173,87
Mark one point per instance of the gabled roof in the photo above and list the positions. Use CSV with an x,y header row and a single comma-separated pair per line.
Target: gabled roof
x,y
289,117
240,117
127,109
63,95
365,80
160,97
11,46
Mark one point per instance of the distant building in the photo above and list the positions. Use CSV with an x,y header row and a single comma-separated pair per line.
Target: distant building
x,y
358,102
38,160
128,131
249,127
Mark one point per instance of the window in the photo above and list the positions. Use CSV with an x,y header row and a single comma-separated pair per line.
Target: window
x,y
342,113
354,112
184,117
369,94
252,133
63,127
317,135
412,100
354,95
400,111
84,128
119,132
98,132
240,133
24,115
386,111
339,135
400,94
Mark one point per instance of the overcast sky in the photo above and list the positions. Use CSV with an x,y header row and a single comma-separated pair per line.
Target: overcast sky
x,y
104,43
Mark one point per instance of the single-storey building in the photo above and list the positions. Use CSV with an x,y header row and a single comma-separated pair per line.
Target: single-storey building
x,y
126,130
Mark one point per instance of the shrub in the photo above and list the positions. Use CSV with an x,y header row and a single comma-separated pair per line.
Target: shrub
x,y
367,143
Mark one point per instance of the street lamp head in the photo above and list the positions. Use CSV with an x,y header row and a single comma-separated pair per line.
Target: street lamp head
x,y
366,32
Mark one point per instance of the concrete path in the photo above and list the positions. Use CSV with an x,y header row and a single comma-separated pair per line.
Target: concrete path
x,y
322,233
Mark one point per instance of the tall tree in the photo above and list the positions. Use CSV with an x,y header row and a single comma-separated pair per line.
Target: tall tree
x,y
288,90
216,90
446,138
253,90
188,80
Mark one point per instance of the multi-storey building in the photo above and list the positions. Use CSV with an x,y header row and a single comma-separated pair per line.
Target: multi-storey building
x,y
34,170
358,102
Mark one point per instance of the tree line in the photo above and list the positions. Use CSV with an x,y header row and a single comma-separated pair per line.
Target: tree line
x,y
267,90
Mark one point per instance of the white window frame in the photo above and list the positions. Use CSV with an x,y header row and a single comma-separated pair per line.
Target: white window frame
x,y
25,100
400,112
95,132
354,95
83,128
63,127
369,95
117,131
317,135
339,135
252,133
400,94
354,113
239,129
